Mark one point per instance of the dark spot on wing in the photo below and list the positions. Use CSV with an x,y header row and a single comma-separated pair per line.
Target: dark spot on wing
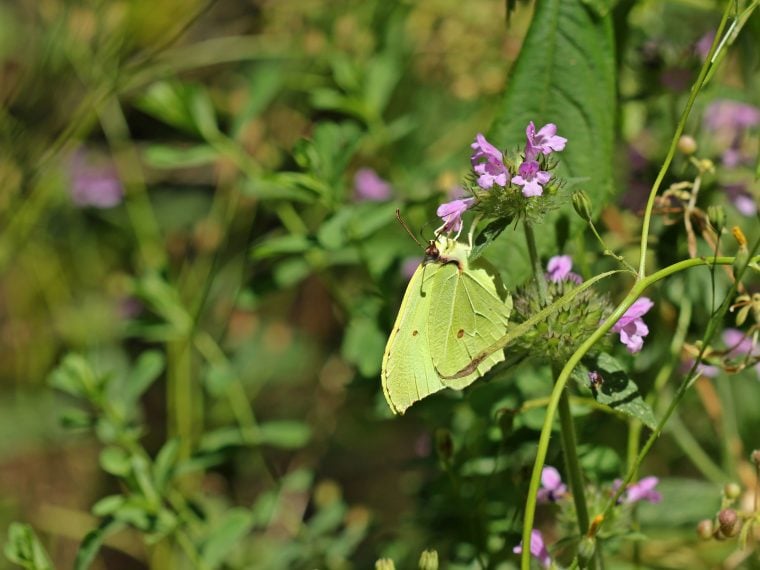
x,y
460,334
415,333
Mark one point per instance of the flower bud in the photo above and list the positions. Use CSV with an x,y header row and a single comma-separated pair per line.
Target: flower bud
x,y
705,529
582,205
732,491
429,560
385,564
729,522
586,549
717,217
687,145
755,457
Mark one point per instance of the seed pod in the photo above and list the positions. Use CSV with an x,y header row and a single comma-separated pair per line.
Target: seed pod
x,y
717,216
385,564
687,145
582,205
729,522
732,491
705,529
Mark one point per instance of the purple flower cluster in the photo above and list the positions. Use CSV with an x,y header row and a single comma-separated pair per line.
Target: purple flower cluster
x,y
488,164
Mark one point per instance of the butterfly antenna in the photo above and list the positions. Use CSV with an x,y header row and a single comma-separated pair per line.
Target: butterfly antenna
x,y
406,227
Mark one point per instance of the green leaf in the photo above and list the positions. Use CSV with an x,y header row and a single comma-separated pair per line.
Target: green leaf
x,y
168,101
565,74
620,393
92,542
364,341
164,464
115,461
279,245
108,505
684,503
487,236
75,376
168,157
237,522
288,434
146,370
25,549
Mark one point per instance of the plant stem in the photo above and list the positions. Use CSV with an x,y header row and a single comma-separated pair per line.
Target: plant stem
x,y
567,429
535,262
674,143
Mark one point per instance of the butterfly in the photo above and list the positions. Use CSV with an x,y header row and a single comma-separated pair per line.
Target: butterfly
x,y
451,311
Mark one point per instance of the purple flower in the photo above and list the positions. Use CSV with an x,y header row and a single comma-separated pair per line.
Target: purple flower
x,y
451,214
726,114
558,269
706,370
545,140
368,186
531,178
94,183
491,170
703,45
739,343
552,488
741,198
630,326
537,548
643,491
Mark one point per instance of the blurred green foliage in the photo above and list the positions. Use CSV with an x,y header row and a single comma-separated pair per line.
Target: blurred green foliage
x,y
213,339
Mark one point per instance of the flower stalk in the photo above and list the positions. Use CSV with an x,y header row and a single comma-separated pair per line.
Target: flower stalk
x,y
567,429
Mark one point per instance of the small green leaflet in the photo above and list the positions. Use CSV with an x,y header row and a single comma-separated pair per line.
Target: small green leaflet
x,y
450,313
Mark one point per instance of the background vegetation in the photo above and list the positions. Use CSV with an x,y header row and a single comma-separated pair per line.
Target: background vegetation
x,y
198,287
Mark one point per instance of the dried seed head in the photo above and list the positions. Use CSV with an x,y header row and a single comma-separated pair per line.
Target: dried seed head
x,y
705,529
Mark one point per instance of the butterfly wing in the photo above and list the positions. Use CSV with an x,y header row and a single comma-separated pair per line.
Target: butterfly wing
x,y
467,315
408,374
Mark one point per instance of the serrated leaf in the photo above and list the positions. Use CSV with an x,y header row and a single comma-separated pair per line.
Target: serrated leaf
x,y
230,531
565,74
620,393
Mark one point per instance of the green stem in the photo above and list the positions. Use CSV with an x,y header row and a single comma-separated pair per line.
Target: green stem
x,y
567,429
543,442
535,262
674,143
